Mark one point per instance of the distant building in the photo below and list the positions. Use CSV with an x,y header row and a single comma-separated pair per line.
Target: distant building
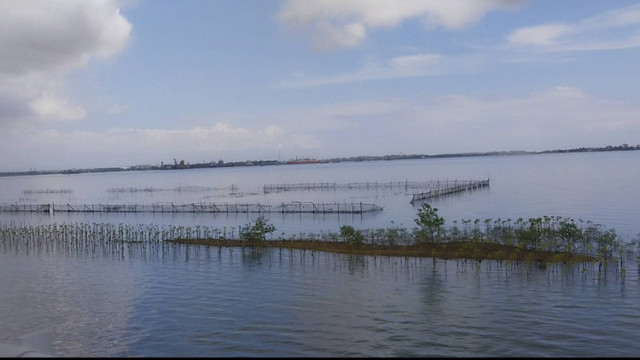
x,y
141,167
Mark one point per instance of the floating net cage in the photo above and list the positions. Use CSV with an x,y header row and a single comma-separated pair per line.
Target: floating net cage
x,y
293,207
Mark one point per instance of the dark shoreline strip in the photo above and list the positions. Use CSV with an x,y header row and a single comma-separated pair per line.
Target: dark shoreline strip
x,y
451,250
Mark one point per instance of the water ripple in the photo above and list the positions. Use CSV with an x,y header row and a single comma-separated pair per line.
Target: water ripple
x,y
196,301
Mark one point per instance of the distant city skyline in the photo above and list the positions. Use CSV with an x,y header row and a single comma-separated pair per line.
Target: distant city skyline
x,y
106,83
185,164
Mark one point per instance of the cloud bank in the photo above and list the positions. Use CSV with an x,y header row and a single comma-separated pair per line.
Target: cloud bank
x,y
445,124
41,41
343,24
614,29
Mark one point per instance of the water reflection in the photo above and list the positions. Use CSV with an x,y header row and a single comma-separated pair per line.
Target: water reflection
x,y
81,302
434,286
252,256
356,263
164,299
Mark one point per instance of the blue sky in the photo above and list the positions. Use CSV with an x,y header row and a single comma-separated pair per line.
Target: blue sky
x,y
118,83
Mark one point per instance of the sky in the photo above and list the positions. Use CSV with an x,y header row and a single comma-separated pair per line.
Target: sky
x,y
107,83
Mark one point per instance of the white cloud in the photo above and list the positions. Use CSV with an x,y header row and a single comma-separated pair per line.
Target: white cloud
x,y
559,117
348,35
45,35
220,136
614,29
407,66
115,108
398,67
538,35
338,23
128,146
52,106
339,118
414,64
41,41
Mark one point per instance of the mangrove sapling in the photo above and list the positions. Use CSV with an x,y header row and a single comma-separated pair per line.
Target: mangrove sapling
x,y
351,235
257,231
557,234
396,236
624,250
465,229
548,228
493,230
429,223
454,231
606,244
636,243
529,233
590,236
476,232
569,234
506,232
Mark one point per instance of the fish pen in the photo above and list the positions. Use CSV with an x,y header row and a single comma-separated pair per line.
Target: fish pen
x,y
176,189
48,191
293,207
391,185
449,187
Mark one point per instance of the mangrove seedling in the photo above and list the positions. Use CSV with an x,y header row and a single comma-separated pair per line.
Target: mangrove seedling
x,y
429,223
257,231
351,235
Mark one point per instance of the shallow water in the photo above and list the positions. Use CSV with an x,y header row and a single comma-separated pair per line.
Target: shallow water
x,y
191,301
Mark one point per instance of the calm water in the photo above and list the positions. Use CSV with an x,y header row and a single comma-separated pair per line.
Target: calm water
x,y
200,301
165,300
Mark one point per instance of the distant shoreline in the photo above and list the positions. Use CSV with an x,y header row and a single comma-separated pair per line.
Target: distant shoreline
x,y
184,166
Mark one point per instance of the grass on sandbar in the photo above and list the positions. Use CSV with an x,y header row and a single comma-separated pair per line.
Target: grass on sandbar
x,y
449,250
